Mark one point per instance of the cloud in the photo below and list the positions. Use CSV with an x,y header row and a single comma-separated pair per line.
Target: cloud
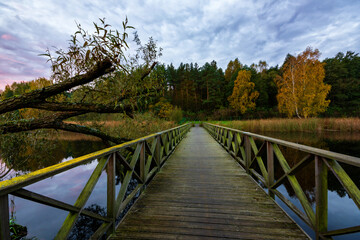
x,y
189,31
7,37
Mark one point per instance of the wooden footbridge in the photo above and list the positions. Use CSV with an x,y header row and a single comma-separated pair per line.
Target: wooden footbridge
x,y
203,191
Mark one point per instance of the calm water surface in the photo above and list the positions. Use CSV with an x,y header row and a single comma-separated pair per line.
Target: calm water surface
x,y
43,222
342,210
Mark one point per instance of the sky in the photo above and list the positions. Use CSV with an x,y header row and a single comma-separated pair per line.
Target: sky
x,y
188,30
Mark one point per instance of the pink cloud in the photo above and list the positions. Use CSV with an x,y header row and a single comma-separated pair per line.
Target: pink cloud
x,y
7,37
4,82
4,57
8,79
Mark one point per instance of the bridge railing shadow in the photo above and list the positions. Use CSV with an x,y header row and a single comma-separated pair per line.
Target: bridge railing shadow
x,y
260,154
139,159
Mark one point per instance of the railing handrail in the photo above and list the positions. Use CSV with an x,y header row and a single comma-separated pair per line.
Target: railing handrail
x,y
355,161
242,146
19,182
143,160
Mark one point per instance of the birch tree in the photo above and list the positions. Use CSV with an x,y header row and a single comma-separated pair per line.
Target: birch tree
x,y
301,89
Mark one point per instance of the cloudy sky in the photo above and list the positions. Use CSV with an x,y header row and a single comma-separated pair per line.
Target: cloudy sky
x,y
188,31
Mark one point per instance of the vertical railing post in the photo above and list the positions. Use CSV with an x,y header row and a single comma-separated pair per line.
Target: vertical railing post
x,y
247,153
174,138
170,140
110,209
270,167
142,162
177,134
321,195
4,217
237,145
158,151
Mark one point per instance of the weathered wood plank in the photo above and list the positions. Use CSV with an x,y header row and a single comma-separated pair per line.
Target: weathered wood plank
x,y
4,218
202,193
321,196
295,185
111,192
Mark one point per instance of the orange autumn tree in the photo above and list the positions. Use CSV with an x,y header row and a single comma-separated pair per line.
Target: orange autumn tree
x,y
301,89
243,96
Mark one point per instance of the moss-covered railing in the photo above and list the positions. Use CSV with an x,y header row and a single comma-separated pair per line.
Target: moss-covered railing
x,y
140,159
243,146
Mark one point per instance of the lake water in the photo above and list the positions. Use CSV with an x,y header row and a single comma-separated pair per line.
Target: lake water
x,y
43,222
342,210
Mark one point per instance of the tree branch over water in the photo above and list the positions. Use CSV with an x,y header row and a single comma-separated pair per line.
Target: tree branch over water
x,y
38,96
55,121
104,81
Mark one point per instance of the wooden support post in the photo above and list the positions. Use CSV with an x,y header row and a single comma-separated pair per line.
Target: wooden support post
x,y
170,140
247,153
110,209
4,217
237,145
158,151
321,195
142,162
270,167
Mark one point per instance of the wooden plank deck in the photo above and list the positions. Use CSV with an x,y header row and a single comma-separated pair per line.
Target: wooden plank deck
x,y
202,193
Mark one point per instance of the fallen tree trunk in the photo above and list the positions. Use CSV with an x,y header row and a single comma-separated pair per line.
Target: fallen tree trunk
x,y
38,96
55,121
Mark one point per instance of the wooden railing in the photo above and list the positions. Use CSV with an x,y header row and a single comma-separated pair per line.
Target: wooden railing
x,y
243,147
140,158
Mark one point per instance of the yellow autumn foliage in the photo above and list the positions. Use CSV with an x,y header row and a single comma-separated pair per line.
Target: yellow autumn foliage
x,y
301,89
243,97
33,85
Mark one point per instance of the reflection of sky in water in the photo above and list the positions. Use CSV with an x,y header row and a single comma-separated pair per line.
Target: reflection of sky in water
x,y
44,222
342,213
296,202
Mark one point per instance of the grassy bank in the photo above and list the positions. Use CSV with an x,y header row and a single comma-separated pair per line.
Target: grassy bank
x,y
141,125
295,125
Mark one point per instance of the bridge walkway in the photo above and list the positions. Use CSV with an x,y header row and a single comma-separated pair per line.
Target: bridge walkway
x,y
202,193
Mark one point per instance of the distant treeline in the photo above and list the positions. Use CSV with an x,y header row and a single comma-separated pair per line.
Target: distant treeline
x,y
203,91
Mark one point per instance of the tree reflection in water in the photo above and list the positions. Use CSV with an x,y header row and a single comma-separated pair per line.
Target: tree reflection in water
x,y
26,154
21,154
348,144
85,226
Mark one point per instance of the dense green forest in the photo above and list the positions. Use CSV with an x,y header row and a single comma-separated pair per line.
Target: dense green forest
x,y
202,92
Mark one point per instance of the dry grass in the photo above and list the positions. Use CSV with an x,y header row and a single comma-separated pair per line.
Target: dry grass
x,y
69,136
296,125
142,125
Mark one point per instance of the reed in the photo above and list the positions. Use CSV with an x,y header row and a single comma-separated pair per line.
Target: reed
x,y
131,128
141,125
295,125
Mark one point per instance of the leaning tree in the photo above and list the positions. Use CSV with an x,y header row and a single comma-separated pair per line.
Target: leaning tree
x,y
95,74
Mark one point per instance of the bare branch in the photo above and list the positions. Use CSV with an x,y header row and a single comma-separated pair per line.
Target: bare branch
x,y
148,71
